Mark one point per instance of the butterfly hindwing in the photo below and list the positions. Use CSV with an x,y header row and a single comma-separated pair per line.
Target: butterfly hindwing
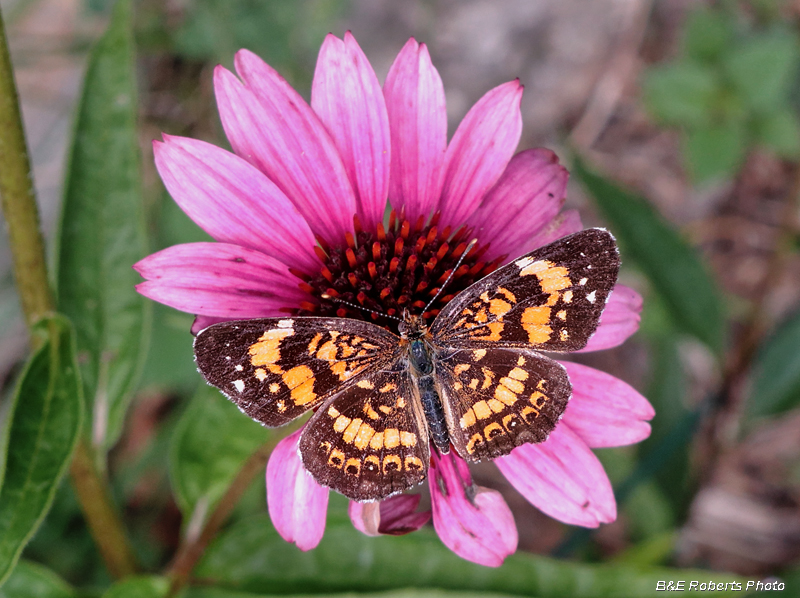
x,y
370,440
276,369
550,299
496,399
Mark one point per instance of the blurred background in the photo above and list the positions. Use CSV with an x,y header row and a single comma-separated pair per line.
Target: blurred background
x,y
692,106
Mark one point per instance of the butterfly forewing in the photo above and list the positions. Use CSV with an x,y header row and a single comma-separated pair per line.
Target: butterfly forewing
x,y
370,440
276,369
550,299
497,399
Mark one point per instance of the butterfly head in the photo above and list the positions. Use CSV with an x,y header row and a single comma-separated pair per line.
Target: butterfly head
x,y
412,327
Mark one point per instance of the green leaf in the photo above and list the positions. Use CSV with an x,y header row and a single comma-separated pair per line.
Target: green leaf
x,y
780,130
45,422
707,34
763,67
681,93
102,232
252,557
30,580
211,443
150,586
715,151
688,292
407,593
776,381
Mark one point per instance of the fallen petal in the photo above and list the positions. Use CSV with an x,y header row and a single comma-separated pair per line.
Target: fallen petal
x,y
473,522
297,504
393,516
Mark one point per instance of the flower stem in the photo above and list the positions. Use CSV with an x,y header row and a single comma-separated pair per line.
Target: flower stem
x,y
36,297
189,554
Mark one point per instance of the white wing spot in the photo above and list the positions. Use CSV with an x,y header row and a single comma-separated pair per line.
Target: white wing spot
x,y
285,323
591,297
583,281
238,385
526,261
238,367
228,358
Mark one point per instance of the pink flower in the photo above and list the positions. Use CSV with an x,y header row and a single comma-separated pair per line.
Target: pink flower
x,y
297,213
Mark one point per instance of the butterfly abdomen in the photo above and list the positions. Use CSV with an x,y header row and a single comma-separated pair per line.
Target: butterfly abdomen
x,y
422,365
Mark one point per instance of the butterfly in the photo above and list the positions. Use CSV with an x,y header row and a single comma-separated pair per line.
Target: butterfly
x,y
475,380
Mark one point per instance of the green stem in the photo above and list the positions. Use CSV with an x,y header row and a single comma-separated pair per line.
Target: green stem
x,y
189,553
36,296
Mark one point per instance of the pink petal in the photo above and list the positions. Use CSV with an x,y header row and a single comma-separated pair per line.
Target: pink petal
x,y
394,516
527,197
272,127
564,224
605,411
297,504
203,322
348,99
218,279
418,121
473,522
562,478
480,150
234,202
620,319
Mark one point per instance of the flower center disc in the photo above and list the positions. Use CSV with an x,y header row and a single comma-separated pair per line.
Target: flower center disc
x,y
398,268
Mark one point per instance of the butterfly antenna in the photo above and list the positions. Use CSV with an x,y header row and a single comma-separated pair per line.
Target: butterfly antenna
x,y
361,307
452,273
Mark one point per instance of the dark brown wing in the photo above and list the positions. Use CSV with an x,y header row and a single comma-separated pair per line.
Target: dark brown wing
x,y
550,299
497,399
276,369
371,440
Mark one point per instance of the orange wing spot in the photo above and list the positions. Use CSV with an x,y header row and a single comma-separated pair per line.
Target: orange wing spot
x,y
514,386
353,466
467,420
476,439
494,334
481,316
538,400
274,369
510,422
352,430
413,463
274,387
520,361
537,268
495,405
281,406
518,373
400,403
461,368
336,459
482,410
488,378
388,387
312,346
339,368
473,384
527,411
563,335
260,374
533,322
371,413
492,430
499,308
385,409
458,385
376,442
327,351
505,396
372,463
408,439
267,348
507,294
567,296
365,384
332,412
391,438
391,463
478,354
325,446
347,350
365,434
341,423
300,379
